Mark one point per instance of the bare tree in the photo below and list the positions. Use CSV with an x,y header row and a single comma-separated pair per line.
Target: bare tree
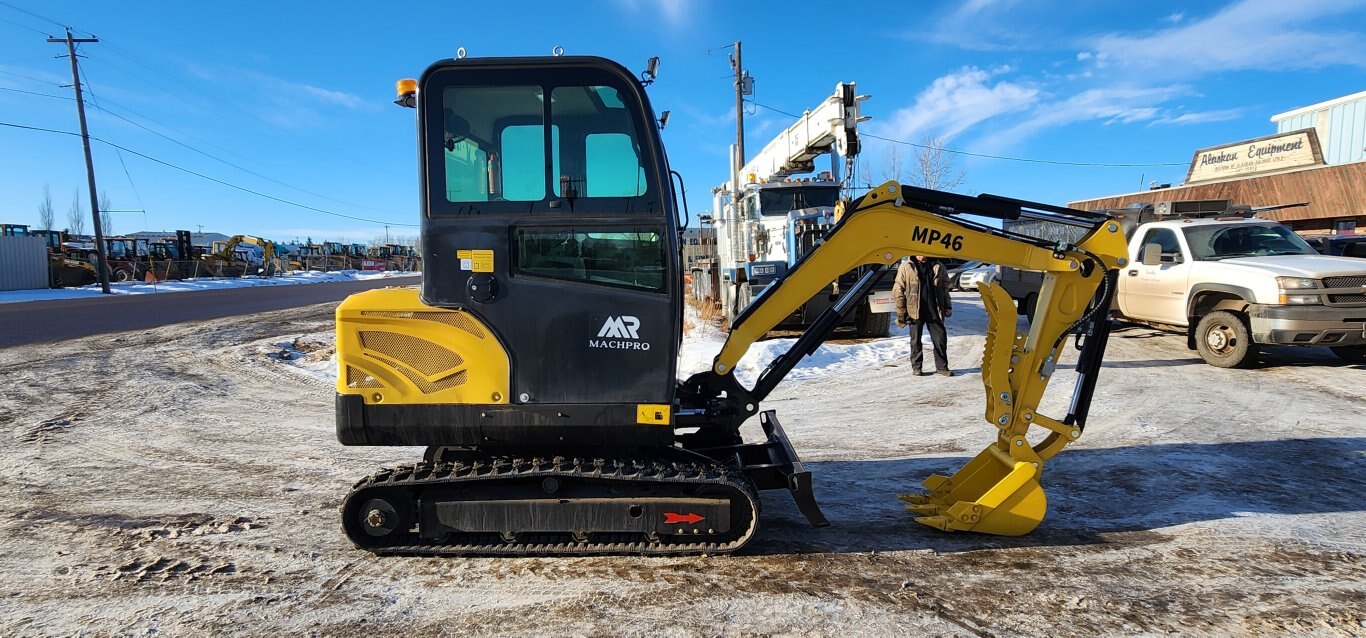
x,y
106,223
894,167
75,216
45,215
934,167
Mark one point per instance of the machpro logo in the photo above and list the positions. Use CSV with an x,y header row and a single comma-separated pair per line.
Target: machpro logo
x,y
623,327
619,333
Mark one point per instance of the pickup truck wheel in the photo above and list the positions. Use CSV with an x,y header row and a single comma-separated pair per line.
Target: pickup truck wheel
x,y
1225,341
1351,354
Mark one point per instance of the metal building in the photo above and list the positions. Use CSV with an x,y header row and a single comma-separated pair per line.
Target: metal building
x,y
1340,124
1316,157
23,263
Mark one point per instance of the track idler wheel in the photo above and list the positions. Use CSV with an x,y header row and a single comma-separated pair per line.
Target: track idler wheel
x,y
380,517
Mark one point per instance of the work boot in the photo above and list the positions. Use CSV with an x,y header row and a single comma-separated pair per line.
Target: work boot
x,y
944,373
918,373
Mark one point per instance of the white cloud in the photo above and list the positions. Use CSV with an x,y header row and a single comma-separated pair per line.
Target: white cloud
x,y
340,98
1121,78
954,103
675,12
1202,117
1108,105
980,25
1267,35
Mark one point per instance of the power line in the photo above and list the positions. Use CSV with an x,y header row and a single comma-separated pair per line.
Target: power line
x,y
43,18
995,157
223,161
24,26
29,77
96,103
56,97
211,179
307,144
1025,159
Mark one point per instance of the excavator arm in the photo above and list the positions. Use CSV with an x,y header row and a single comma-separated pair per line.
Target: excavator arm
x,y
998,491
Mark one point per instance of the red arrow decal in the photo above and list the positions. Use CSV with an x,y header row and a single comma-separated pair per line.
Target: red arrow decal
x,y
671,518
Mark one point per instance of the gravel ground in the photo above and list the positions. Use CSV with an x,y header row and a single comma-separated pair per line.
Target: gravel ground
x,y
185,480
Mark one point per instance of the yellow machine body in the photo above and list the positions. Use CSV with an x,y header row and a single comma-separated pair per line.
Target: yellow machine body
x,y
391,348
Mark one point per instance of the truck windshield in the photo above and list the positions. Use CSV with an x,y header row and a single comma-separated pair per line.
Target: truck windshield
x,y
780,201
1217,241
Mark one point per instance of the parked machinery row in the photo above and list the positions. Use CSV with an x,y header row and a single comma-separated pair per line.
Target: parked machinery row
x,y
72,260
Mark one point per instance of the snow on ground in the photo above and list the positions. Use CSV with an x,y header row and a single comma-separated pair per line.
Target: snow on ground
x,y
701,344
200,283
184,481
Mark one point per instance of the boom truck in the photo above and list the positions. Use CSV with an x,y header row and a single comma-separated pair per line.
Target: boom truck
x,y
1230,282
767,221
537,361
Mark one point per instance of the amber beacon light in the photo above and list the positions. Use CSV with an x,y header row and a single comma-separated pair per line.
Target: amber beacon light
x,y
407,92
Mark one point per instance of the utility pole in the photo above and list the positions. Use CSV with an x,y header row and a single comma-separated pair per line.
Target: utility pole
x,y
740,78
102,267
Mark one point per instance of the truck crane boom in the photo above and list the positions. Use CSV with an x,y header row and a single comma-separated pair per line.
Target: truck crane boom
x,y
831,127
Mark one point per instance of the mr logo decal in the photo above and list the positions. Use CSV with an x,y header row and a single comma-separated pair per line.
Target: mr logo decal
x,y
619,333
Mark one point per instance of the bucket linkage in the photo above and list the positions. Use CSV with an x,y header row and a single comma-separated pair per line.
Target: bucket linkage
x,y
998,491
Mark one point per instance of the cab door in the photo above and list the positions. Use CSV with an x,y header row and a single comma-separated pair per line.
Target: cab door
x,y
1158,292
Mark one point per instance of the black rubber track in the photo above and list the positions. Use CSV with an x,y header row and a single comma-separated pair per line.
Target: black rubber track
x,y
414,478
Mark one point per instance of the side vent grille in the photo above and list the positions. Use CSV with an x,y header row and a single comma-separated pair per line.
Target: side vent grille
x,y
416,359
456,319
358,379
418,354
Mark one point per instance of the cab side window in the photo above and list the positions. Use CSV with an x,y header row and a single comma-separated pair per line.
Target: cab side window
x,y
1166,238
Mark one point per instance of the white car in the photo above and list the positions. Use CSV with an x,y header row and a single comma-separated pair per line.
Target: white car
x,y
969,278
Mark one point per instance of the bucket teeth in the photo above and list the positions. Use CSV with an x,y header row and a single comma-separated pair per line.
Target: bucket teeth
x,y
937,522
993,494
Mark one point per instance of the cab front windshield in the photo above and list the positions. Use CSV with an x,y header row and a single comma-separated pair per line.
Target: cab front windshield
x,y
1217,241
502,144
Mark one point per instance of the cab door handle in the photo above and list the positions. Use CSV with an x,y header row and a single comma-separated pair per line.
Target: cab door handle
x,y
1133,273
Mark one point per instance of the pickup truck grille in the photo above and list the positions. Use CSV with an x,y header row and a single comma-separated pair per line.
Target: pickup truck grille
x,y
1344,282
1350,299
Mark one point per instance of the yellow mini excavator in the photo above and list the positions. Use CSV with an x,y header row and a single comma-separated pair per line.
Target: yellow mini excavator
x,y
537,363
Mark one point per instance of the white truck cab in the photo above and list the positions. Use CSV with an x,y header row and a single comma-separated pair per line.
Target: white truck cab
x,y
1233,284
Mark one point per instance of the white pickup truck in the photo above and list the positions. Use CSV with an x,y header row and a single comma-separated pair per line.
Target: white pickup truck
x,y
1233,284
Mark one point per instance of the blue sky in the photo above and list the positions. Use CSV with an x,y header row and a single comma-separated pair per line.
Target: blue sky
x,y
293,99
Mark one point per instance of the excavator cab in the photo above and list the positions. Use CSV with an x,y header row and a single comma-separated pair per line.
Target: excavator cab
x,y
549,231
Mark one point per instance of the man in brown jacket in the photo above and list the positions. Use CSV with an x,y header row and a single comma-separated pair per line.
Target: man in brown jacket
x,y
922,299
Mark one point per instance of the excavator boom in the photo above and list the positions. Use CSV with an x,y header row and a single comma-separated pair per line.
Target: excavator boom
x,y
998,491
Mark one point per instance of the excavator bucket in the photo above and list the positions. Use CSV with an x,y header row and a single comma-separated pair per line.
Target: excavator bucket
x,y
993,494
998,491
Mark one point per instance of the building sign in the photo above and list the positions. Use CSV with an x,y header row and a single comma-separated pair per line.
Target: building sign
x,y
1262,155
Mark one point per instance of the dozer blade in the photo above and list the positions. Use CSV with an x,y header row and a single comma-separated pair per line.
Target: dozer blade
x,y
993,494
